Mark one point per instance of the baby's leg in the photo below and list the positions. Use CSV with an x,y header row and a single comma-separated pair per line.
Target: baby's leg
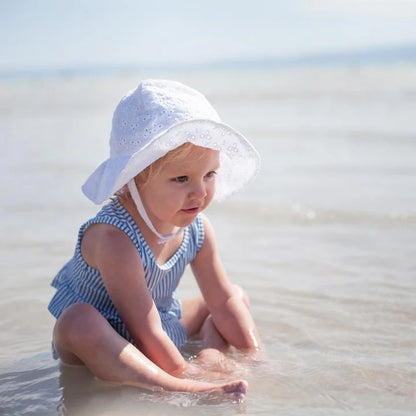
x,y
212,356
194,312
199,323
83,336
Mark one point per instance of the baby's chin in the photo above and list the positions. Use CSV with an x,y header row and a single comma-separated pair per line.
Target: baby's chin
x,y
185,219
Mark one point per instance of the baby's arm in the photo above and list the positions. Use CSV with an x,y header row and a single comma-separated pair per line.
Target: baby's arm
x,y
110,251
230,314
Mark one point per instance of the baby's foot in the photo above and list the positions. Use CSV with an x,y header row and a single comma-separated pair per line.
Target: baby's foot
x,y
234,391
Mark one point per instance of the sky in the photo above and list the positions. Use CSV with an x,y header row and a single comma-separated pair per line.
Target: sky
x,y
36,34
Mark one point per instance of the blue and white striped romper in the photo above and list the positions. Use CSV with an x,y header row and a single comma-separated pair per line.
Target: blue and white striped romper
x,y
78,282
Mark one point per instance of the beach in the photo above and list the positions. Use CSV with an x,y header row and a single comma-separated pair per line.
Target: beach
x,y
323,240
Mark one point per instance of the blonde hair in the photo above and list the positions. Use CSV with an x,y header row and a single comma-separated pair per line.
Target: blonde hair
x,y
152,170
144,177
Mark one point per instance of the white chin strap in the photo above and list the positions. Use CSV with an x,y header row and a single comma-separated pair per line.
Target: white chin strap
x,y
140,208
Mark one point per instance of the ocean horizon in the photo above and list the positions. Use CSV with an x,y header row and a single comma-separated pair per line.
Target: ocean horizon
x,y
371,56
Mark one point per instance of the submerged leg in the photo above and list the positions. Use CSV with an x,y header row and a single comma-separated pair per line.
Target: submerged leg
x,y
83,336
199,323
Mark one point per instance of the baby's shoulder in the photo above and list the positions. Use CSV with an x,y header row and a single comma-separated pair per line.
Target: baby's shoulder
x,y
102,230
103,233
104,240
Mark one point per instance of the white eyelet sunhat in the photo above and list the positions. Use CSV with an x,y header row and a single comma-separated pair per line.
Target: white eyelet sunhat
x,y
157,117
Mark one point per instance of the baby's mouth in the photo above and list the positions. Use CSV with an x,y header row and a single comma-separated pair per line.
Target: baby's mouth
x,y
192,210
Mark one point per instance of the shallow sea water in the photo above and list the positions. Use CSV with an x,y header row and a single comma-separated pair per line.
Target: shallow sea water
x,y
323,240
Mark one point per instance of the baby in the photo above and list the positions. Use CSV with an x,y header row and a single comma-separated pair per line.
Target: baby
x,y
116,307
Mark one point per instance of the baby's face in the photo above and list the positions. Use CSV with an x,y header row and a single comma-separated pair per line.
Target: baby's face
x,y
181,189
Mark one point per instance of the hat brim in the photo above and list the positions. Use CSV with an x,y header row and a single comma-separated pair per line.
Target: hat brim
x,y
239,160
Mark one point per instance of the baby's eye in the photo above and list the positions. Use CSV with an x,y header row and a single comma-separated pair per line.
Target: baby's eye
x,y
211,174
180,179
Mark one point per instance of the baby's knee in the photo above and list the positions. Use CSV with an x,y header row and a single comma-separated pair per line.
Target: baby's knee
x,y
77,321
77,312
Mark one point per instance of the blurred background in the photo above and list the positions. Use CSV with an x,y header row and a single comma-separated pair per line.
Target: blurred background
x,y
323,239
47,36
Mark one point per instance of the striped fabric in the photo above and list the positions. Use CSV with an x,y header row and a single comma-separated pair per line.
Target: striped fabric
x,y
78,282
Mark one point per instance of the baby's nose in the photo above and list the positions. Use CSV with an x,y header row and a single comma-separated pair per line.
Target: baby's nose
x,y
198,191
